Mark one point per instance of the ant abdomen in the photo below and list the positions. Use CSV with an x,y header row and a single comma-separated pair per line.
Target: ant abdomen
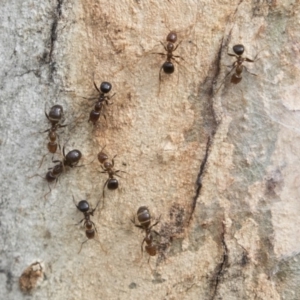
x,y
112,184
94,116
83,206
105,87
72,158
144,216
150,248
55,114
238,49
89,230
168,67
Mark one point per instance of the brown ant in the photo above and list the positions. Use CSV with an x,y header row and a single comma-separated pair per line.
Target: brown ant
x,y
90,227
168,66
102,99
238,65
55,115
108,167
144,219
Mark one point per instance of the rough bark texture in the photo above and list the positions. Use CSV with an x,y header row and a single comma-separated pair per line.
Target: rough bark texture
x,y
218,161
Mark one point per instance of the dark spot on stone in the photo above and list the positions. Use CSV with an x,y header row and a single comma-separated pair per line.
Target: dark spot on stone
x,y
132,285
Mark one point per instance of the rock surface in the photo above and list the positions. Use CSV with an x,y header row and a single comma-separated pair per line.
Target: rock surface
x,y
217,161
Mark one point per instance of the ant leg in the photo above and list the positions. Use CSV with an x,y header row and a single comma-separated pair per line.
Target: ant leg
x,y
47,130
159,53
76,206
157,221
255,58
92,212
178,56
112,96
142,245
96,205
104,116
249,71
46,114
79,222
118,175
45,196
43,159
113,160
164,47
122,171
233,67
93,98
177,46
133,220
104,189
29,177
231,54
149,263
96,88
160,73
101,246
82,245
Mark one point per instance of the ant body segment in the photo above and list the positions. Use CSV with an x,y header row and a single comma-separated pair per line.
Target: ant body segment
x,y
144,219
90,227
108,167
168,66
102,99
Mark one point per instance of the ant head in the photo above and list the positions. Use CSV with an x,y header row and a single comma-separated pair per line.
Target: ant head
x,y
168,67
56,113
83,206
238,49
102,157
105,87
172,37
112,184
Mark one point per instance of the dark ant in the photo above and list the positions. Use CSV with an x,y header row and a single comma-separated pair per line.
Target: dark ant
x,y
238,66
144,219
168,66
90,227
55,115
102,99
70,160
108,167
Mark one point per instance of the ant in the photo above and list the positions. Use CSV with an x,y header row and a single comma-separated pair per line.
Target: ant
x,y
90,227
70,160
238,66
108,167
55,115
105,88
144,219
168,66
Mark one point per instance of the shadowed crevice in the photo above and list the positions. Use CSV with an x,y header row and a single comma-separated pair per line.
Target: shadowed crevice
x,y
221,267
53,34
